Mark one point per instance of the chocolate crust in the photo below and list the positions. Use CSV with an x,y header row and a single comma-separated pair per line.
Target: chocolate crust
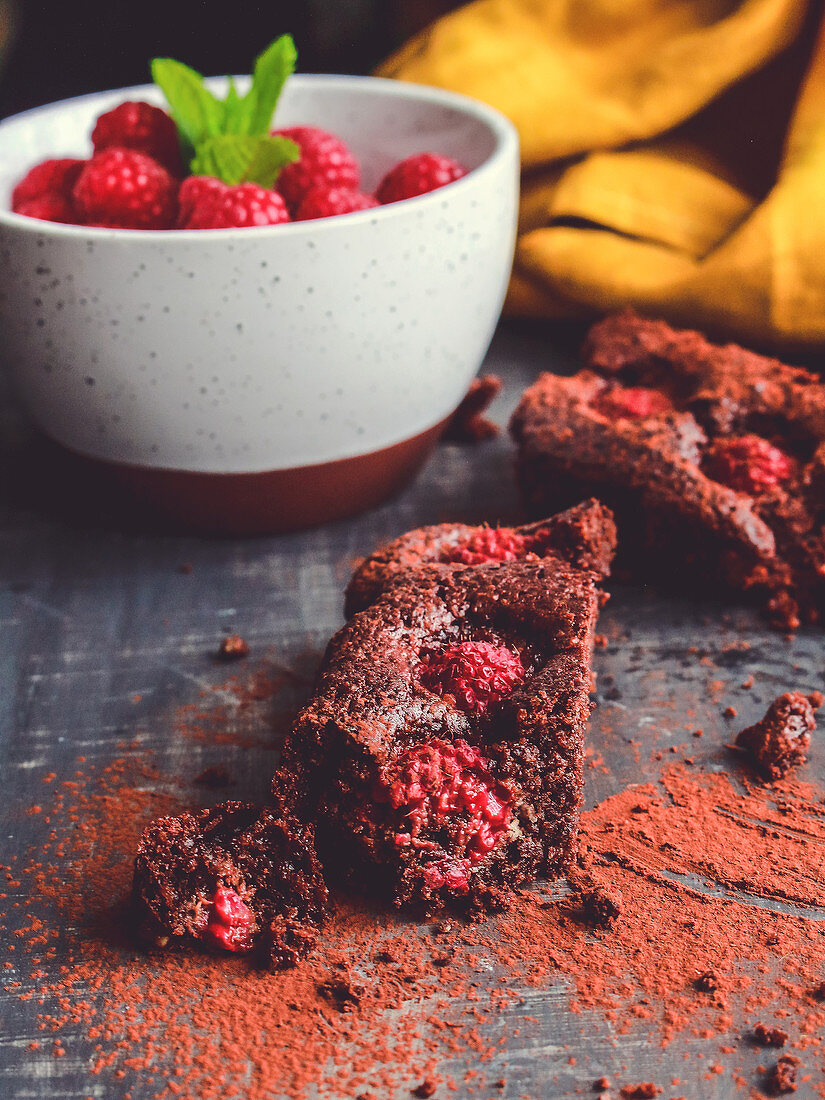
x,y
583,536
370,708
654,471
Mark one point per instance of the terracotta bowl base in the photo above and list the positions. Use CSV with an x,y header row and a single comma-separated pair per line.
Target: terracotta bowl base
x,y
267,503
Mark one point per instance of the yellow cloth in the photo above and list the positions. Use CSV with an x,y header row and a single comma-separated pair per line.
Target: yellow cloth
x,y
674,154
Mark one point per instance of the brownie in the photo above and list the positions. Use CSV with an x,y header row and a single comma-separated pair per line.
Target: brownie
x,y
780,740
584,536
712,458
233,877
441,754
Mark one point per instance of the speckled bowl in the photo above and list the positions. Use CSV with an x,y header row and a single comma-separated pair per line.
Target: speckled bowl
x,y
266,379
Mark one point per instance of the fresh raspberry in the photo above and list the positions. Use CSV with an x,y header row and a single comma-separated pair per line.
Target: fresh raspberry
x,y
243,206
123,189
748,464
49,208
195,194
416,175
476,674
488,544
142,127
324,160
632,403
231,923
438,782
51,177
327,202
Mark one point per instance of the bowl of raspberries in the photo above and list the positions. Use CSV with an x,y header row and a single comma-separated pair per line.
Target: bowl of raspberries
x,y
253,303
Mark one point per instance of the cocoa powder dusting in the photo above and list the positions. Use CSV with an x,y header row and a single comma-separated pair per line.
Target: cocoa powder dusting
x,y
719,929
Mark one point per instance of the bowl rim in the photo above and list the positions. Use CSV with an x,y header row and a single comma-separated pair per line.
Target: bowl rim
x,y
506,143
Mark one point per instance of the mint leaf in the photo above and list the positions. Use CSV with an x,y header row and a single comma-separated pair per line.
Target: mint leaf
x,y
271,71
244,158
196,112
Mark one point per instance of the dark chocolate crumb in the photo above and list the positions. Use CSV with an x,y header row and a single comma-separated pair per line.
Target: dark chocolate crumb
x,y
425,1089
707,982
782,1078
766,1036
345,992
645,1090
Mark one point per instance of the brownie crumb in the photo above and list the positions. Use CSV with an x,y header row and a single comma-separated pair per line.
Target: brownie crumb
x,y
344,991
215,777
601,1084
819,993
766,1036
500,1084
782,1078
185,567
646,1090
730,712
599,907
233,648
707,982
425,1089
780,740
468,424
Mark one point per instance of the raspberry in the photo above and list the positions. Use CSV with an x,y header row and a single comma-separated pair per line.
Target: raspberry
x,y
748,464
49,208
197,192
231,923
437,782
240,207
142,127
632,403
327,202
416,175
324,160
476,674
123,189
488,544
51,177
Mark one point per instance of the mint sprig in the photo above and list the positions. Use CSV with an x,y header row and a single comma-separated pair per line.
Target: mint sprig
x,y
229,138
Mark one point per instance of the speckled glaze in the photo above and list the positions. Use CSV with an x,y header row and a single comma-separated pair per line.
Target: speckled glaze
x,y
248,351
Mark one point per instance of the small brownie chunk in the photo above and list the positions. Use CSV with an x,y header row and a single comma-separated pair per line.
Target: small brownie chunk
x,y
765,1035
780,740
584,536
233,877
783,1077
441,754
713,459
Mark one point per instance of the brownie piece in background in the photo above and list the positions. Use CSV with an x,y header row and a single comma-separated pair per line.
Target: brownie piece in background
x,y
712,458
233,877
441,754
583,536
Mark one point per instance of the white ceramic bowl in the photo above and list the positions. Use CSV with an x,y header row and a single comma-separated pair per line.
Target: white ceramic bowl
x,y
264,379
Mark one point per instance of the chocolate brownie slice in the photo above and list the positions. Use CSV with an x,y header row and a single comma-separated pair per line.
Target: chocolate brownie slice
x,y
233,877
441,754
713,459
584,536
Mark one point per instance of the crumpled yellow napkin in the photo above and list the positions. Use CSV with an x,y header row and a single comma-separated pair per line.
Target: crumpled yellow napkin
x,y
674,154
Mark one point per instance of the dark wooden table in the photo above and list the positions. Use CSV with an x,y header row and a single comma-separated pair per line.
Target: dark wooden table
x,y
103,637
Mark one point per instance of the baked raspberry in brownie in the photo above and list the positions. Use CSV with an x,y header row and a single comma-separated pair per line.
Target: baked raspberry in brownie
x,y
711,457
234,878
584,536
441,754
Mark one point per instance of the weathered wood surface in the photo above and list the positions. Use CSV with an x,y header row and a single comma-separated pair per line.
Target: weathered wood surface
x,y
103,637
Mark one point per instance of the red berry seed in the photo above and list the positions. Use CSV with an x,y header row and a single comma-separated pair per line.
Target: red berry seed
x,y
142,127
416,175
488,544
50,177
632,403
231,923
748,464
327,202
325,161
476,675
123,189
